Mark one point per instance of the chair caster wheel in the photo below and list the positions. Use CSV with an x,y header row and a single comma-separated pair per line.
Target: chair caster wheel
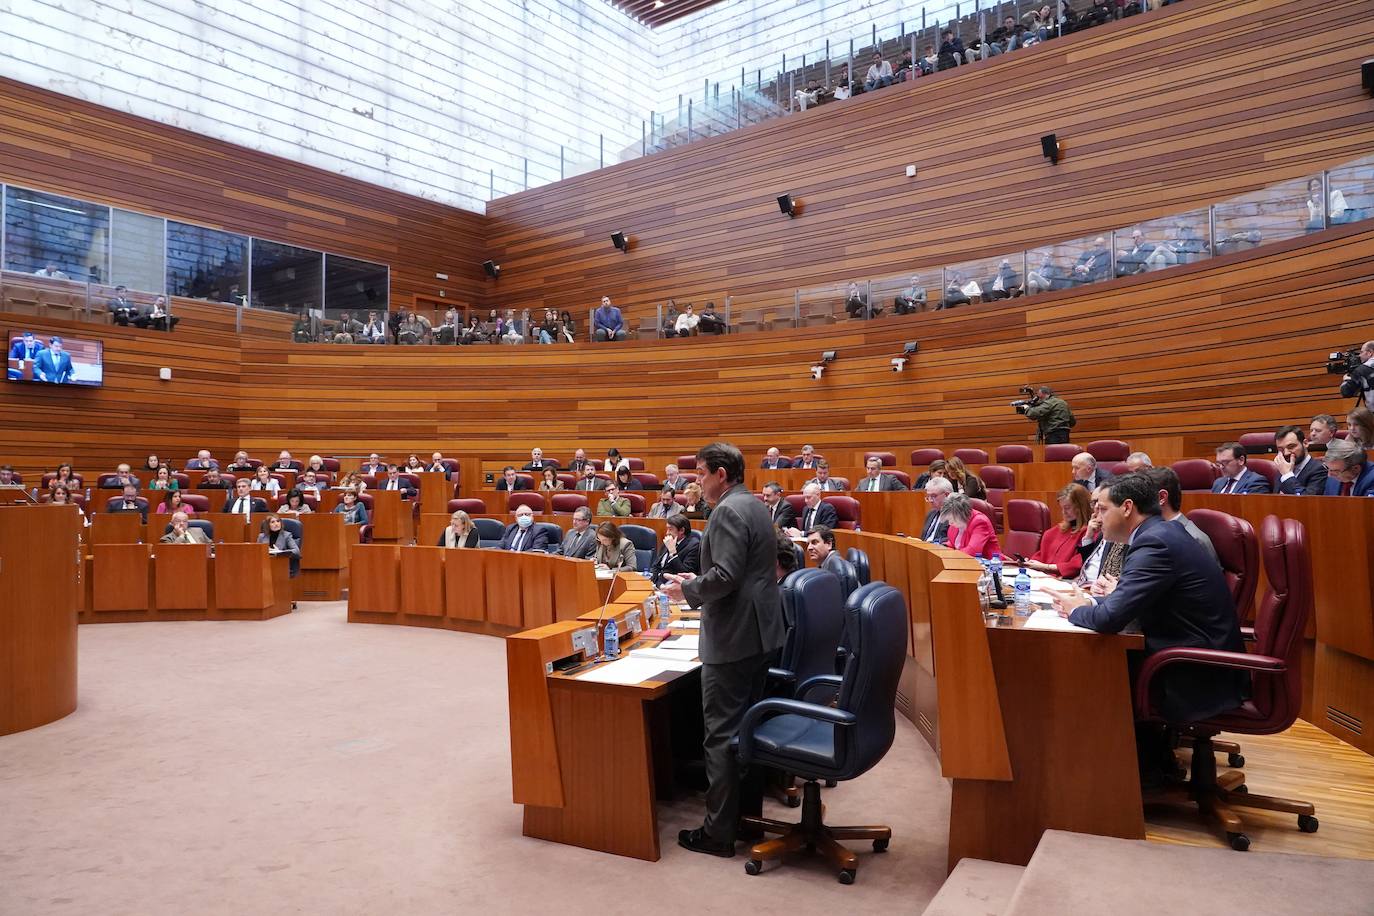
x,y
1307,823
1242,789
880,845
830,783
847,876
1239,841
1235,760
753,867
795,802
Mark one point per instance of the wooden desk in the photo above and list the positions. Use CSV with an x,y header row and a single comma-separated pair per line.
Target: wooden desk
x,y
392,518
115,527
325,542
128,583
38,664
435,491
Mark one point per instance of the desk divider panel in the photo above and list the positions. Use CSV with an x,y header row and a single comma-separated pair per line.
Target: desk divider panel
x,y
243,577
575,588
324,541
465,588
503,578
113,527
181,575
536,590
422,580
374,578
120,577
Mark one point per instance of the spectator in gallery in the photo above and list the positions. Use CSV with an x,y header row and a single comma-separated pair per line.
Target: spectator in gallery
x,y
1006,283
122,308
1335,210
905,67
711,322
810,96
158,318
567,330
951,50
927,63
879,74
855,302
50,271
472,331
687,322
548,328
1134,260
911,299
842,89
607,322
1095,264
669,327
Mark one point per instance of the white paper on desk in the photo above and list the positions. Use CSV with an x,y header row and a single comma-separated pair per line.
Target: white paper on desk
x,y
605,573
1050,620
685,641
630,670
667,656
684,624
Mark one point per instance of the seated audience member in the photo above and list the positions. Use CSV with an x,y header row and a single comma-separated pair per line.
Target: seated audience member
x,y
27,347
374,332
969,529
879,74
174,502
394,481
820,547
1235,476
936,468
614,460
163,480
1321,431
123,309
130,502
779,509
686,322
814,512
1009,34
607,322
279,541
696,506
928,61
1006,283
567,327
1101,557
774,460
1137,461
613,551
672,478
61,496
284,462
680,552
64,476
472,331
613,503
1179,597
1166,481
511,481
240,463
515,328
124,476
666,505
809,96
413,465
1134,260
349,328
182,532
1058,554
856,303
903,71
538,462
823,479
843,88
589,480
964,481
460,532
309,481
242,501
935,528
353,511
213,481
1042,278
437,466
911,299
580,541
547,331
669,328
1095,264
202,462
295,504
1086,473
1334,210
373,465
711,322
626,480
1348,472
875,481
951,51
1299,472
958,290
1360,426
807,459
152,463
263,480
549,480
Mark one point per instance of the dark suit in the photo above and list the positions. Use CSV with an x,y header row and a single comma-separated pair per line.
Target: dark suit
x,y
830,484
19,351
1180,598
770,464
1250,482
886,484
823,514
595,483
579,546
520,484
255,503
407,491
541,464
140,506
933,529
1364,485
55,368
686,560
1099,478
472,539
531,538
741,630
372,469
1310,477
783,515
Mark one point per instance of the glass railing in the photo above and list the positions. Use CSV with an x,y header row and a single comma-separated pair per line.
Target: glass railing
x,y
48,293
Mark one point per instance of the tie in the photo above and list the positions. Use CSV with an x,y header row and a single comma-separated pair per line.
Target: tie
x,y
1230,485
806,521
1345,489
238,507
519,541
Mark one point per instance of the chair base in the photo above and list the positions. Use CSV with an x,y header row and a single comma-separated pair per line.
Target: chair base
x,y
1217,796
1234,758
812,835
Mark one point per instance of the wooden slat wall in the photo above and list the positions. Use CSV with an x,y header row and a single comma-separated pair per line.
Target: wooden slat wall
x,y
1158,114
60,144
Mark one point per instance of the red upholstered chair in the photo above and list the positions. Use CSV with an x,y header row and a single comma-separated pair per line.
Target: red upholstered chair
x,y
525,498
924,456
1109,449
373,481
903,476
636,464
650,481
971,455
1275,669
1027,520
182,480
637,503
1257,443
798,504
366,500
1195,475
1116,468
410,479
986,508
569,480
842,481
888,459
686,462
1237,550
1061,452
568,503
331,465
470,506
846,507
997,480
198,502
1267,468
1014,454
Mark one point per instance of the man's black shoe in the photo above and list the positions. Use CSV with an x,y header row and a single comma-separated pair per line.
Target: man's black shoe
x,y
698,841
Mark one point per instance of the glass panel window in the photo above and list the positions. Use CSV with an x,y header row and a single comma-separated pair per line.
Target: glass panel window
x,y
1159,243
286,278
358,286
56,236
1272,214
206,263
1350,192
138,256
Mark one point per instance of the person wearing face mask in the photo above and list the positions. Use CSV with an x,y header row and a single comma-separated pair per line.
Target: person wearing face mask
x,y
522,536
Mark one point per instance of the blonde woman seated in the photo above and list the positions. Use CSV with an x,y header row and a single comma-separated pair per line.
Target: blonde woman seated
x,y
964,481
697,506
263,480
613,551
461,532
351,481
550,481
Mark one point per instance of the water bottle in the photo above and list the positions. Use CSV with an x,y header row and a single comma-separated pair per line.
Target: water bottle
x,y
1023,589
611,643
662,606
984,583
995,571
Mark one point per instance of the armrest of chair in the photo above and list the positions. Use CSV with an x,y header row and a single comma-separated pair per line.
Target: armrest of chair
x,y
806,686
1215,658
778,706
782,675
1247,634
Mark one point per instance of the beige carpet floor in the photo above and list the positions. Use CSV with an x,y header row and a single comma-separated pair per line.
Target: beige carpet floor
x,y
305,765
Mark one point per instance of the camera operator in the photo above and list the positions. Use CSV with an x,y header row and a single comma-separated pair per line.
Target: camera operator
x,y
1358,382
1051,413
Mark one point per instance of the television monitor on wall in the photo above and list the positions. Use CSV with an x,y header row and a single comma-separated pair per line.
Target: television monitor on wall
x,y
44,358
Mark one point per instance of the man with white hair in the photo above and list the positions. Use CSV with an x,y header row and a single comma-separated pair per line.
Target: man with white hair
x,y
182,532
672,477
1137,461
1086,473
814,512
774,461
538,462
202,461
935,530
807,459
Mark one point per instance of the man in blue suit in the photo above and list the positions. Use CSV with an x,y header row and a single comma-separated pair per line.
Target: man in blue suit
x,y
1236,477
523,535
1349,473
26,348
53,365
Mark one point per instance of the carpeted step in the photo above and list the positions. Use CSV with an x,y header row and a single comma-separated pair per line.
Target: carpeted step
x,y
976,887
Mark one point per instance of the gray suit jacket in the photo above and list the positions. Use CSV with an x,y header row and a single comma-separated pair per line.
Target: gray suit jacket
x,y
579,547
737,591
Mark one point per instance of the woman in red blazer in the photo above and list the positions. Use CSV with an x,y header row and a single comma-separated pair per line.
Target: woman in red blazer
x,y
969,530
1058,554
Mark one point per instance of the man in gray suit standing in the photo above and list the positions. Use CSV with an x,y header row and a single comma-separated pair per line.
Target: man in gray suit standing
x,y
741,630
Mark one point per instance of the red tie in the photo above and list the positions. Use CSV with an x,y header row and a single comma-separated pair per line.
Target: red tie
x,y
1345,489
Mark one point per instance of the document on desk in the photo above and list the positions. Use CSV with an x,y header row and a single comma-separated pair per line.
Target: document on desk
x,y
1050,620
684,624
673,656
634,669
603,572
685,641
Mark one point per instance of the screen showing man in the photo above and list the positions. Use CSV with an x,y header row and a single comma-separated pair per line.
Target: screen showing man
x,y
54,360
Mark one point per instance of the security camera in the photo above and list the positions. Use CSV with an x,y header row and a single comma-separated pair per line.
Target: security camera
x,y
898,363
817,372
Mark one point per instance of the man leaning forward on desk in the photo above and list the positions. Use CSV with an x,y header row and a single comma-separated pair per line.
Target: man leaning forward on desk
x,y
741,630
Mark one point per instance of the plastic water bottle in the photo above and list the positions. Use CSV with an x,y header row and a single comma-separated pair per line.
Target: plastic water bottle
x,y
1023,590
995,571
984,584
611,643
662,599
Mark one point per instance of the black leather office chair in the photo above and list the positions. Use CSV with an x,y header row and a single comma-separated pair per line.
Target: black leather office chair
x,y
645,541
859,559
849,576
489,531
555,535
837,742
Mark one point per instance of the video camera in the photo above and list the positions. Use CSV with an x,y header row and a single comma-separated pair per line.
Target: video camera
x,y
1030,399
1343,363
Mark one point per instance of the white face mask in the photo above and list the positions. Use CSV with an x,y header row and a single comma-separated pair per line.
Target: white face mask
x,y
524,521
